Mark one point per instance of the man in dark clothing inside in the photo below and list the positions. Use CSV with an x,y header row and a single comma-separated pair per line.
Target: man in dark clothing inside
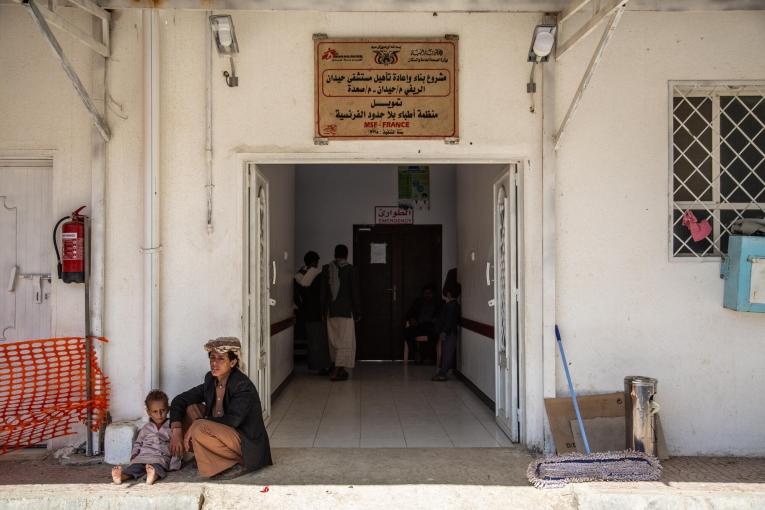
x,y
422,319
340,303
448,329
308,302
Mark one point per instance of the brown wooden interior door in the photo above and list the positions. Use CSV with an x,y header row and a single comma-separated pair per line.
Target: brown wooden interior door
x,y
412,260
376,289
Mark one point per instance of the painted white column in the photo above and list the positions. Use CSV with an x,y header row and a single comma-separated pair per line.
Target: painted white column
x,y
538,425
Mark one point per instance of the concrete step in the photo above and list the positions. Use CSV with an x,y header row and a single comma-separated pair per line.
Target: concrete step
x,y
102,496
384,478
235,496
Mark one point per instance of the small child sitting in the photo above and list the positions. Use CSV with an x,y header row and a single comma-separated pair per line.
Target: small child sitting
x,y
151,451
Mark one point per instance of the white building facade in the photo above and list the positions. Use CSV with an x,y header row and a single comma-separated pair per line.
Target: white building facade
x,y
597,254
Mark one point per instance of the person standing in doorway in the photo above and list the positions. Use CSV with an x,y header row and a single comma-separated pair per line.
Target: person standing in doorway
x,y
340,303
308,302
448,328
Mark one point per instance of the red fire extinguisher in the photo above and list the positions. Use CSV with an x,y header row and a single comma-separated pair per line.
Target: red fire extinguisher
x,y
71,263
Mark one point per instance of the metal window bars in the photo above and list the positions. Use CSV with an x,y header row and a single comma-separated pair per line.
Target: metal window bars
x,y
717,160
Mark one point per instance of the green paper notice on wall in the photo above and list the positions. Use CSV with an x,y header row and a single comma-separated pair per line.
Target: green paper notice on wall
x,y
414,187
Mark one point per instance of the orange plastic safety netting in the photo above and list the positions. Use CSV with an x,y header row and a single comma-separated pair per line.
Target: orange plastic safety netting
x,y
43,392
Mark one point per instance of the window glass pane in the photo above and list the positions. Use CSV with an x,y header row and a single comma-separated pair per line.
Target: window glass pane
x,y
690,185
692,148
742,133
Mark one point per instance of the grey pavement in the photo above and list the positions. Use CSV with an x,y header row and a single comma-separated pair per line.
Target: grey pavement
x,y
340,478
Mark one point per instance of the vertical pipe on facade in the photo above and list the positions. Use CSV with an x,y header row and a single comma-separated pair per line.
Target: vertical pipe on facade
x,y
549,253
208,112
98,201
151,195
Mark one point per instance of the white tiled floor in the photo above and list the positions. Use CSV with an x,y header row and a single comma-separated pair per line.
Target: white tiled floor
x,y
382,405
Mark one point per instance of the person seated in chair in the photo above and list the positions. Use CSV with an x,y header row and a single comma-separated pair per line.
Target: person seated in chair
x,y
421,320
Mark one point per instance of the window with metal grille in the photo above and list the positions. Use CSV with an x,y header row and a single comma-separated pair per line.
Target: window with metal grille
x,y
717,161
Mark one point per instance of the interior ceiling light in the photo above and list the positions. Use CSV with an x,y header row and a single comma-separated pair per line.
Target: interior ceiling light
x,y
542,43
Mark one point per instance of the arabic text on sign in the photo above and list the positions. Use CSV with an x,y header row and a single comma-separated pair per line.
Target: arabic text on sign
x,y
407,82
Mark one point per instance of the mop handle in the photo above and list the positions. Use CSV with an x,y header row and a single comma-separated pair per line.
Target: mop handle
x,y
573,393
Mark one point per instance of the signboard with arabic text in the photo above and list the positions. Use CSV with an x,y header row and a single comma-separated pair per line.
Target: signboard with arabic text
x,y
386,88
385,215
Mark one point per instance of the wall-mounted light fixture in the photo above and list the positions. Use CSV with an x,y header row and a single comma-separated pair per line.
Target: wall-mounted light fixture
x,y
225,40
542,42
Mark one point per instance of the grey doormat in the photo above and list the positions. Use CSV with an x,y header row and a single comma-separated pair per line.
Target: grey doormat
x,y
555,471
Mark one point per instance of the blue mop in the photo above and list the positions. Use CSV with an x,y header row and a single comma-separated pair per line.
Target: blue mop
x,y
554,471
571,390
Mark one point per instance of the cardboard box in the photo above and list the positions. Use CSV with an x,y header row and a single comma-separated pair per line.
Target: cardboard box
x,y
560,413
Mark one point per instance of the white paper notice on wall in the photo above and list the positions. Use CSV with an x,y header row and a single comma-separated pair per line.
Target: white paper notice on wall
x,y
378,253
757,287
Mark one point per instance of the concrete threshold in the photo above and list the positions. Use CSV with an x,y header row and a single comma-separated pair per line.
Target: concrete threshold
x,y
103,497
210,496
657,495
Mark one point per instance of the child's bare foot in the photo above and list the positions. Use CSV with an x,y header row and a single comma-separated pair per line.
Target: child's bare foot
x,y
151,474
117,476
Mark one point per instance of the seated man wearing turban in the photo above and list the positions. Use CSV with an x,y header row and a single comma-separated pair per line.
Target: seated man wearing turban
x,y
221,420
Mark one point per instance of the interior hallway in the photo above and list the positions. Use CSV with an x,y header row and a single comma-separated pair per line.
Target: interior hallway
x,y
383,405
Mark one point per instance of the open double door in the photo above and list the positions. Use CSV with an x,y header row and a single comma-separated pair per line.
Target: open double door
x,y
258,287
508,311
395,262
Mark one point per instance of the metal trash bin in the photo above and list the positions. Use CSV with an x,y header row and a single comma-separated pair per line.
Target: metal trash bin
x,y
640,408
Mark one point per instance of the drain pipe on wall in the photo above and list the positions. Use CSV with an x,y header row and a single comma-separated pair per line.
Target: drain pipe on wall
x,y
151,197
97,216
549,254
208,113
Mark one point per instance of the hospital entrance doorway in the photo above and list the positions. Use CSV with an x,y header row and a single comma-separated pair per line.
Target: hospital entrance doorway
x,y
394,263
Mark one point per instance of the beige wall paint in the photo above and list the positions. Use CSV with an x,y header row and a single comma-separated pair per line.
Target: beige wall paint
x,y
624,309
123,298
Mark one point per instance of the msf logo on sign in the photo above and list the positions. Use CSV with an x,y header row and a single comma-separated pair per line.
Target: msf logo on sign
x,y
329,54
386,57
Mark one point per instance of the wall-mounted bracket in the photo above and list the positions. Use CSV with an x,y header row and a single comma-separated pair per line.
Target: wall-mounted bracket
x,y
617,11
101,47
596,19
39,18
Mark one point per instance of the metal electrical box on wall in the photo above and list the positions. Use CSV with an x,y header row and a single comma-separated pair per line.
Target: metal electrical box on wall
x,y
743,270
